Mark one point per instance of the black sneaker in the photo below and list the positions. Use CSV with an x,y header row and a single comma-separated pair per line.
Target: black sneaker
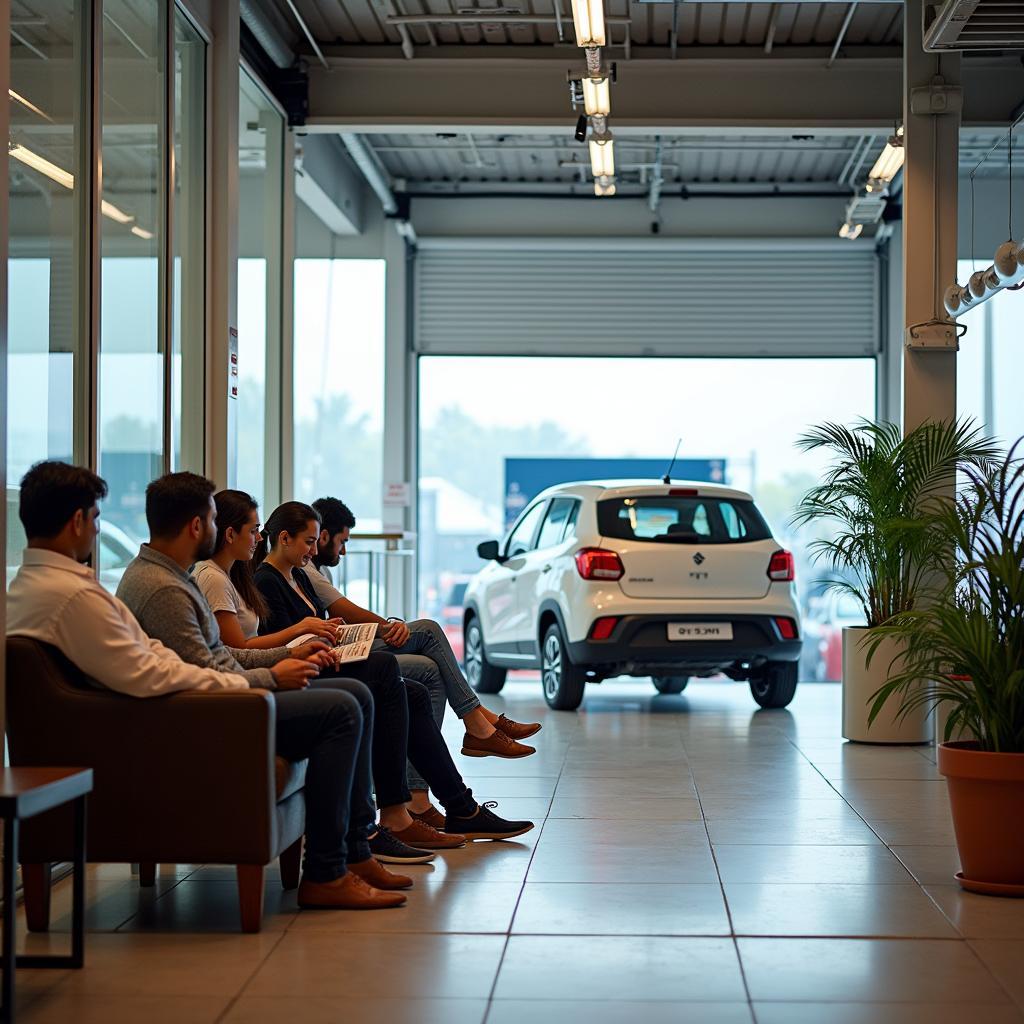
x,y
389,849
485,824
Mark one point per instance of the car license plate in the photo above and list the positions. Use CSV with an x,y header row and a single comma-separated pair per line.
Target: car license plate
x,y
700,631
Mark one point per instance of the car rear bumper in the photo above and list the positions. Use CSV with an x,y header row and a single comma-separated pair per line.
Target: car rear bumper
x,y
640,642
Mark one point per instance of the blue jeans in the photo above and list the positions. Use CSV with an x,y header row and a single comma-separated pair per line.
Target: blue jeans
x,y
330,727
427,658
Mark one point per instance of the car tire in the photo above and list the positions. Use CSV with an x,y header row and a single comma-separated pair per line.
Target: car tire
x,y
481,674
670,684
563,681
775,686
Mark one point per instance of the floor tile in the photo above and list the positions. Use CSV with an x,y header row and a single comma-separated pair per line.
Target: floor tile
x,y
433,907
802,832
637,809
59,1007
658,969
861,970
516,1011
910,831
980,917
894,911
345,1008
807,864
1004,960
930,865
327,964
614,909
830,808
884,1013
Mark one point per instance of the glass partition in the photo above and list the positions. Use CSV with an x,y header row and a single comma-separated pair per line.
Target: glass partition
x,y
260,147
45,148
131,371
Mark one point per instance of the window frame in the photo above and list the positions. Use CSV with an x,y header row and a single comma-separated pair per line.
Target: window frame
x,y
542,504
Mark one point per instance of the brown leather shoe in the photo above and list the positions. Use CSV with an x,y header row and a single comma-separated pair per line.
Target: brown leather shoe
x,y
516,730
495,745
349,892
374,873
434,818
425,837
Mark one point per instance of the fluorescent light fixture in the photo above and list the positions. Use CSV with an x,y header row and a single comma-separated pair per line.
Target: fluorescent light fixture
x,y
602,158
39,163
141,232
29,105
588,20
888,163
851,231
597,98
604,187
111,211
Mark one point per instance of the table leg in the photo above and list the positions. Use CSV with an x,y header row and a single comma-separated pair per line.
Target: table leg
x,y
78,888
10,866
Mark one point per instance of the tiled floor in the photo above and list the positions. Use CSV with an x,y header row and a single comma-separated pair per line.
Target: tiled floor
x,y
695,860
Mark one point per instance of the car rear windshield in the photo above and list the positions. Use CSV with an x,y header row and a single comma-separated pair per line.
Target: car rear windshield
x,y
677,520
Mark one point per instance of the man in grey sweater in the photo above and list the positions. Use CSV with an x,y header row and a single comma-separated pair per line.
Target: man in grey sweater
x,y
169,606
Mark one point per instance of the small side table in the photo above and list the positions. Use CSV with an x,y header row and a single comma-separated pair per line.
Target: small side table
x,y
24,793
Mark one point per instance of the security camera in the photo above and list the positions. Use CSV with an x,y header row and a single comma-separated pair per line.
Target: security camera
x,y
581,128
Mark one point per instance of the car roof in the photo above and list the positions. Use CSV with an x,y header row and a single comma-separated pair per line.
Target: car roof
x,y
600,490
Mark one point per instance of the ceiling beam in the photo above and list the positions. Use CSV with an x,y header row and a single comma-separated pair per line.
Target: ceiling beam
x,y
390,94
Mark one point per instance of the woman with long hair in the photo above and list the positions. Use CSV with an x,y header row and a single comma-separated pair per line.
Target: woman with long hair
x,y
227,583
401,725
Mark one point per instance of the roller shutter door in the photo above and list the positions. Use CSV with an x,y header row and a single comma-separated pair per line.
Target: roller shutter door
x,y
612,297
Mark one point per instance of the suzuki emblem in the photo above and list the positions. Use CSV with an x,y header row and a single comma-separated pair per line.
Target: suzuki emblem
x,y
698,559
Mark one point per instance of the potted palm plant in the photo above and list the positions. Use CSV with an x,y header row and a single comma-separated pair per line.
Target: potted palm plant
x,y
873,498
966,639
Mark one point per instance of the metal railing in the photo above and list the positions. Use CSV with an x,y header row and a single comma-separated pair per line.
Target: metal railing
x,y
386,586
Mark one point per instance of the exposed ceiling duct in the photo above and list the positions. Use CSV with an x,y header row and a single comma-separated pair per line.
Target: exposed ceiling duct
x,y
977,25
266,34
378,179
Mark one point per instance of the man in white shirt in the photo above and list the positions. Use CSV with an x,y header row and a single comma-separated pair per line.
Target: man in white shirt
x,y
56,599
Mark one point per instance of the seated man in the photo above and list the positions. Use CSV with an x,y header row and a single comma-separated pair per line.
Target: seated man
x,y
424,654
56,599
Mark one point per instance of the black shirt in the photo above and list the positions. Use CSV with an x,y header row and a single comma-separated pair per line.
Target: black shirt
x,y
286,607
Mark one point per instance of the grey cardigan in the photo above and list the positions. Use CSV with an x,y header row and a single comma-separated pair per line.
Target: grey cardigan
x,y
172,609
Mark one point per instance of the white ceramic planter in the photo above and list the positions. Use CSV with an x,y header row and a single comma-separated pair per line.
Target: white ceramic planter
x,y
861,681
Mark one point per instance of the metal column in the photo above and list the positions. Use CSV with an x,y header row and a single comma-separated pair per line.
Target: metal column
x,y
929,222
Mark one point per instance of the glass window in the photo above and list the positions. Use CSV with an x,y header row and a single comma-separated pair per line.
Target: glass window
x,y
554,522
260,156
131,381
570,524
45,152
339,384
188,318
520,540
680,520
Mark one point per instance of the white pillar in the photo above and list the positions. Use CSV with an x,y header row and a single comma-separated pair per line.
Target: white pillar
x,y
929,220
889,376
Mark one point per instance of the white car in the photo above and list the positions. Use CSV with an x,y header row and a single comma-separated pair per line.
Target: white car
x,y
670,581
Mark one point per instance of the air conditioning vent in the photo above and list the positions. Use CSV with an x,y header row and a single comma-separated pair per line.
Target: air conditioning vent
x,y
977,25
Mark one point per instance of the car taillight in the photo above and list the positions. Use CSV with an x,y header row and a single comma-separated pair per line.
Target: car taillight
x,y
787,628
683,492
602,628
781,567
597,564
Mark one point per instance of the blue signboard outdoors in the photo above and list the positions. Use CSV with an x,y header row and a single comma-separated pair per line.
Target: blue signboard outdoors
x,y
525,478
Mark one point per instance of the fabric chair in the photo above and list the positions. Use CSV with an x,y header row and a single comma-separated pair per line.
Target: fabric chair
x,y
190,778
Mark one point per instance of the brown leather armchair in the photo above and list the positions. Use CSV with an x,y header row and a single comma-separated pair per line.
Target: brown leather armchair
x,y
190,778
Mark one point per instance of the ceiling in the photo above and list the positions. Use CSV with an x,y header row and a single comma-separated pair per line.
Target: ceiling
x,y
632,24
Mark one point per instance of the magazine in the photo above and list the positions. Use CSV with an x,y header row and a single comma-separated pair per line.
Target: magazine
x,y
353,643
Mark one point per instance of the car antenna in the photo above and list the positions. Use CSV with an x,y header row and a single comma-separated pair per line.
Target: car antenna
x,y
667,478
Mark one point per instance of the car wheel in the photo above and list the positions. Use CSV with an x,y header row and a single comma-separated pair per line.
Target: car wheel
x,y
482,675
775,686
670,684
563,681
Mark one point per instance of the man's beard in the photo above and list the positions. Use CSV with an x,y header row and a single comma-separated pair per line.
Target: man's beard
x,y
322,559
206,546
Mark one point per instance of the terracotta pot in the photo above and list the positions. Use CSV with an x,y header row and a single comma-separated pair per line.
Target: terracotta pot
x,y
861,681
986,796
